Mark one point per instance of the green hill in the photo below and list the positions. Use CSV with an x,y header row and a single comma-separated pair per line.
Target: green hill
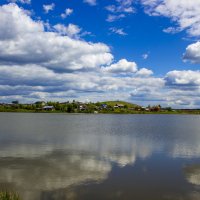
x,y
113,103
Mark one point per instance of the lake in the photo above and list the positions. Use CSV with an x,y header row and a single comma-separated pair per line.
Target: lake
x,y
136,157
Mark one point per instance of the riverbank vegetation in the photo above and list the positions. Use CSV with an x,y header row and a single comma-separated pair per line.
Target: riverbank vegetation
x,y
9,196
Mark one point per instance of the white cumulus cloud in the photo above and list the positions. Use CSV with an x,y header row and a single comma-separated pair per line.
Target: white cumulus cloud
x,y
20,1
123,66
183,78
119,10
119,31
24,41
112,18
185,13
48,7
68,12
193,53
91,2
144,72
71,30
125,6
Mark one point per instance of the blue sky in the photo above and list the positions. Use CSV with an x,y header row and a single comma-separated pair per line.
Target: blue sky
x,y
143,51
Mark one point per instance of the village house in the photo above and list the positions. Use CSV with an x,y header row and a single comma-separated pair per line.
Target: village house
x,y
64,103
48,108
104,106
82,107
119,106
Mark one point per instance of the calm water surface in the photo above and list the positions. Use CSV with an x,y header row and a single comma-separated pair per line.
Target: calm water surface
x,y
136,157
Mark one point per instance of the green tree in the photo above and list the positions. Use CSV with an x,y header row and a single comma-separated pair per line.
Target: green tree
x,y
15,102
69,108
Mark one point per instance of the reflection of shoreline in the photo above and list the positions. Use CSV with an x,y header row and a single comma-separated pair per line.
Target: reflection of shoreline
x,y
191,112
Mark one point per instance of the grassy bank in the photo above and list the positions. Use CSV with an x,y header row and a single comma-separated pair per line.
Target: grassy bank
x,y
9,196
195,112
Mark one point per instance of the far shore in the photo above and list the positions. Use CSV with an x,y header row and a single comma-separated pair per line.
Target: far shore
x,y
106,113
106,107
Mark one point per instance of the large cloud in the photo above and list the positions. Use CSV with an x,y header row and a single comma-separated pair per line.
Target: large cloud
x,y
15,23
183,88
184,12
183,78
24,41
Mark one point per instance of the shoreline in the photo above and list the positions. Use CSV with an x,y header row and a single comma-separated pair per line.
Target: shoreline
x,y
106,113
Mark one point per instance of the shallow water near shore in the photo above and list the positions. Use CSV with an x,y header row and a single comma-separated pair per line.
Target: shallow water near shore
x,y
61,156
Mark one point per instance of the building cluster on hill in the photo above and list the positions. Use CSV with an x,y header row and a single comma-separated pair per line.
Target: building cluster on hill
x,y
80,107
